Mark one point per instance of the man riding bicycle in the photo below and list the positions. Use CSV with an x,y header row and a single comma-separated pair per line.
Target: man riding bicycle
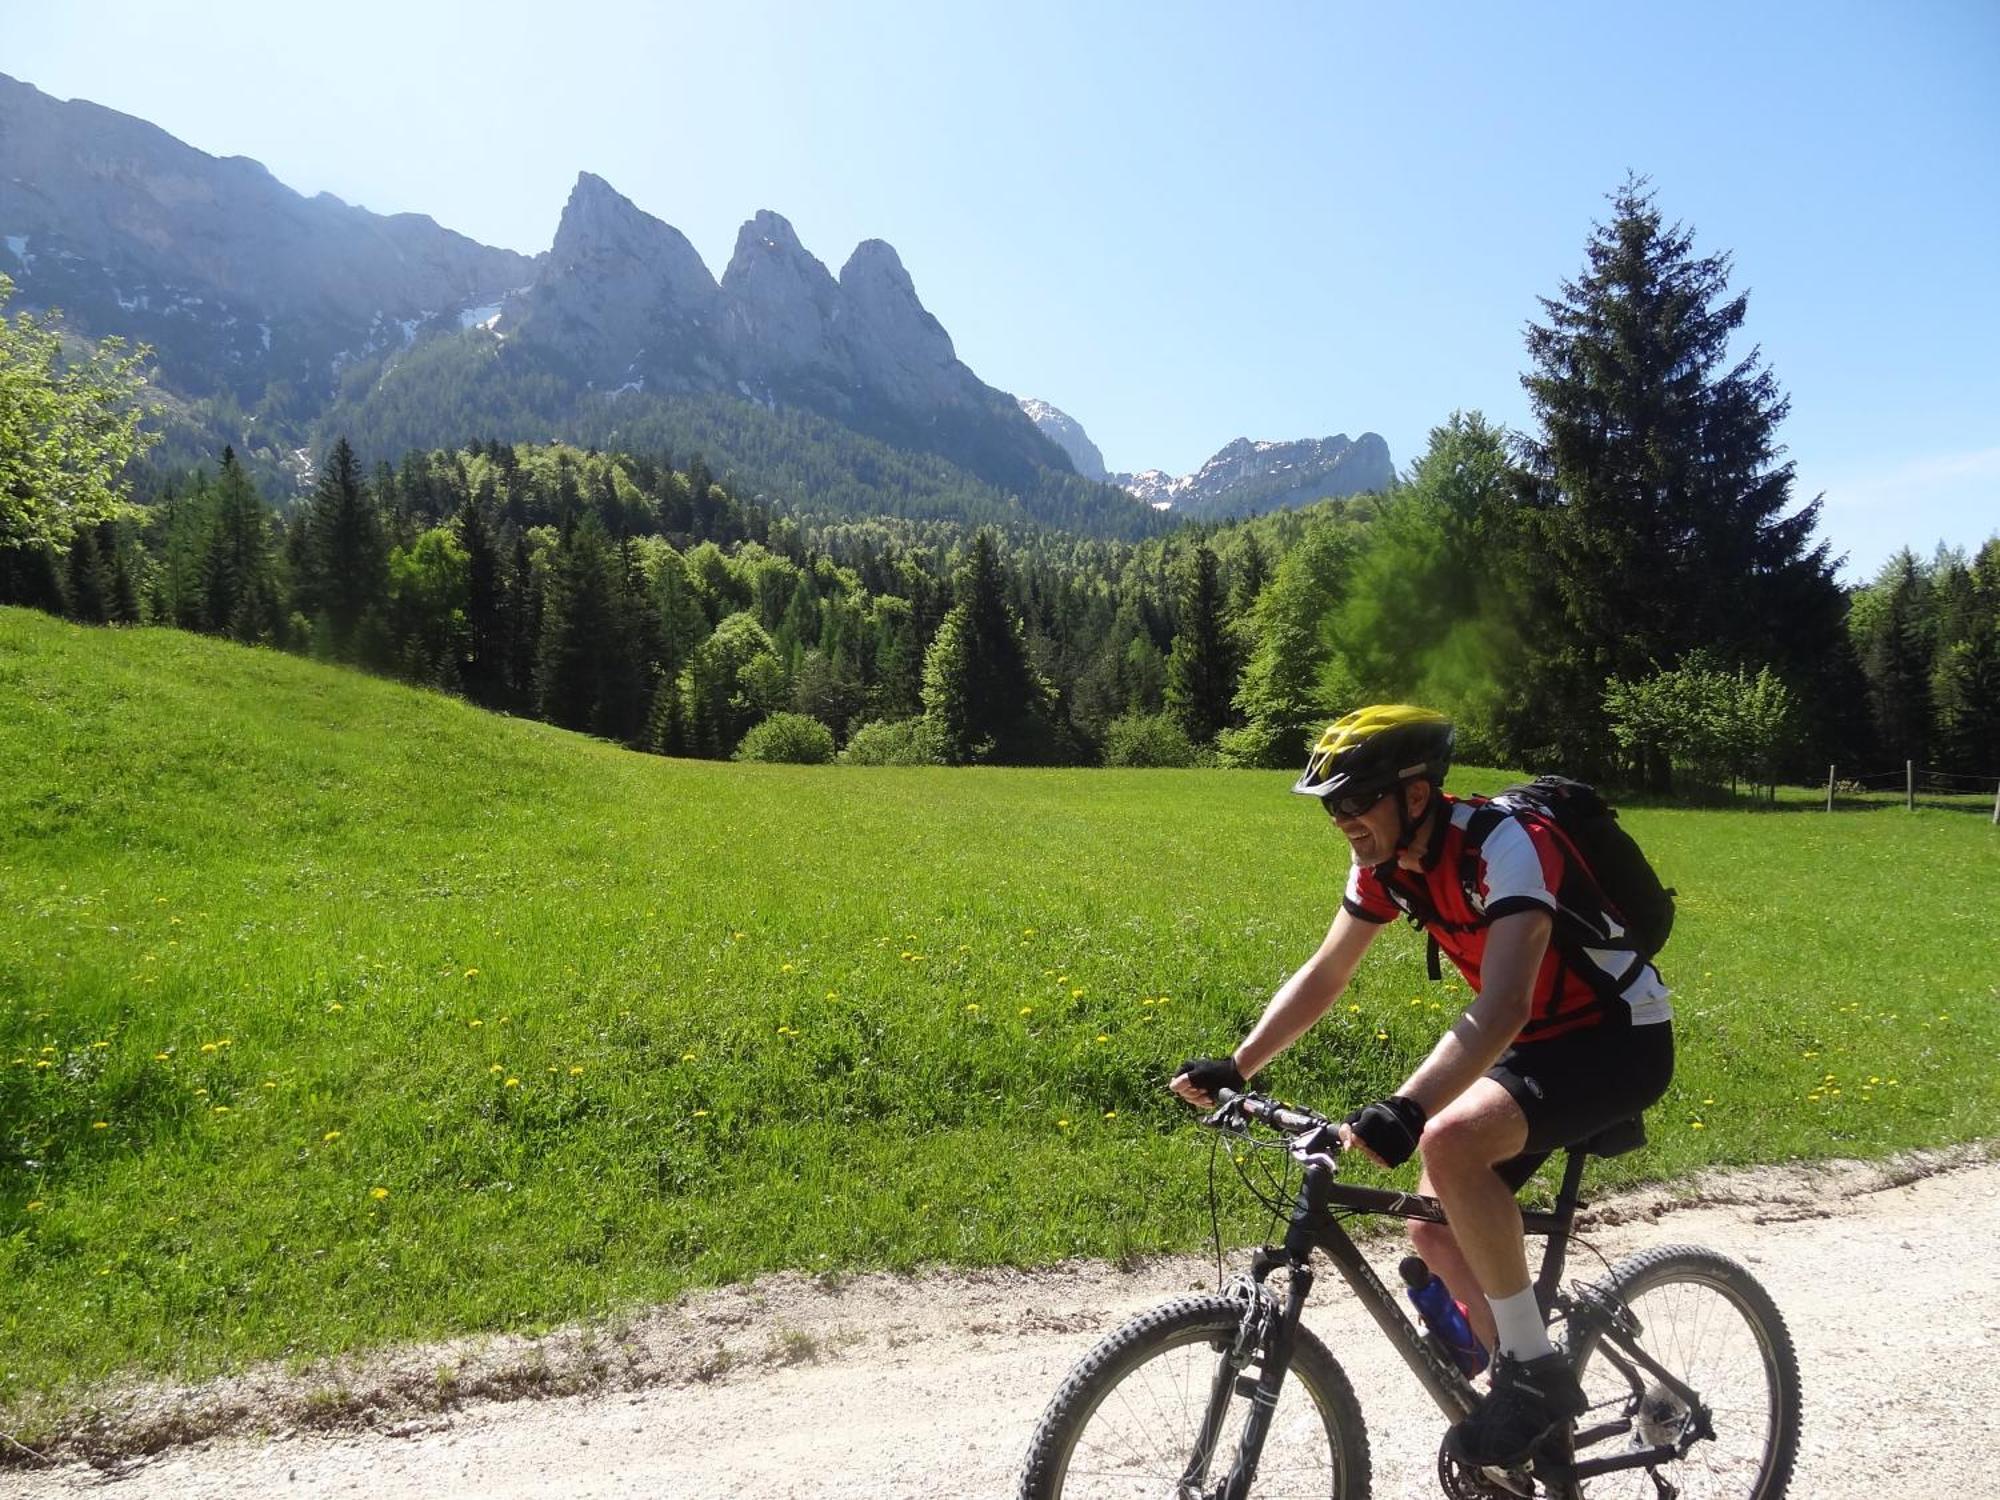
x,y
1565,1034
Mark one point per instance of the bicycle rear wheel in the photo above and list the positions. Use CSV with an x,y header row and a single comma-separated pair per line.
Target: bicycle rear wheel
x,y
1128,1420
1705,1319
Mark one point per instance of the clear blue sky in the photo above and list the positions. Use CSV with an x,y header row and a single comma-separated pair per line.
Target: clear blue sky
x,y
1184,223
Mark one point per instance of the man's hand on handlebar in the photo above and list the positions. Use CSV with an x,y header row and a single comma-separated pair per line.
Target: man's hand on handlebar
x,y
1387,1132
1197,1079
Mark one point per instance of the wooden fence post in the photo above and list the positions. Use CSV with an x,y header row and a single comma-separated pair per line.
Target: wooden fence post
x,y
1829,788
1910,784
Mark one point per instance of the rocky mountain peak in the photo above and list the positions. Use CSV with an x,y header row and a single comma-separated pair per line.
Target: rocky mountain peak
x,y
896,344
779,301
604,233
1060,428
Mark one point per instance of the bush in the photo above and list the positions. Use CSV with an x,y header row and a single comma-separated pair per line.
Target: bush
x,y
895,742
794,739
1147,740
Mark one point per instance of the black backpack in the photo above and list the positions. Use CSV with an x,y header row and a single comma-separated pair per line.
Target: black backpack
x,y
1616,862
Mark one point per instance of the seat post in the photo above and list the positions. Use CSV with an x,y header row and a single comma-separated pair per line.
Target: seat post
x,y
1558,1244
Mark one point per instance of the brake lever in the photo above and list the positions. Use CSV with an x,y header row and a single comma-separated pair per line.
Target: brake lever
x,y
1228,1116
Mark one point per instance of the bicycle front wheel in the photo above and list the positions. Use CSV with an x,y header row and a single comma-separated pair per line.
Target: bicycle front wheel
x,y
1129,1420
1704,1319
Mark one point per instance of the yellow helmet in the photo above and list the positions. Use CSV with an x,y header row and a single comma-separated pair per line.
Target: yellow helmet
x,y
1376,748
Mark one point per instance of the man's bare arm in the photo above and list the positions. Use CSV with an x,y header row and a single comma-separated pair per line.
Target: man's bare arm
x,y
1515,945
1300,1001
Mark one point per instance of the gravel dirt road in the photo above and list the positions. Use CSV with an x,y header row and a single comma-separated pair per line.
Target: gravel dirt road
x,y
886,1387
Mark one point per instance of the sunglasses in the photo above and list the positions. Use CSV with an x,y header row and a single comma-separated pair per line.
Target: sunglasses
x,y
1354,804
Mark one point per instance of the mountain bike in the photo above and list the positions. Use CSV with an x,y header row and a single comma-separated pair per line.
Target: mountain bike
x,y
1692,1383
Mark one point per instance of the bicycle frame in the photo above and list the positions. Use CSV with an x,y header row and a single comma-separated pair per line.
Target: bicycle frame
x,y
1314,1227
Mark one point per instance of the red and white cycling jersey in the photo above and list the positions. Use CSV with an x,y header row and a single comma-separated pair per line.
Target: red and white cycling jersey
x,y
1523,863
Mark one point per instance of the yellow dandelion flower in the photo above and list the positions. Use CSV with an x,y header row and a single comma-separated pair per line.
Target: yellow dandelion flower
x,y
270,1083
496,1068
1062,1124
698,1114
1102,1037
475,1021
1027,932
100,1124
512,1083
1710,1099
1062,979
43,1063
378,1193
95,1046
208,1046
737,937
1381,1036
833,994
1027,1010
972,1008
471,973
1111,1114
573,1072
335,1005
1354,1010
221,1109
784,968
161,1057
687,1057
1696,1125
331,1135
36,1206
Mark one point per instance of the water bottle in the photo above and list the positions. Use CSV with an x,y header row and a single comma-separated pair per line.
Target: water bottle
x,y
1443,1316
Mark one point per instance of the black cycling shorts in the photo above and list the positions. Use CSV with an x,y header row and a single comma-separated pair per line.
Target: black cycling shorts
x,y
1574,1086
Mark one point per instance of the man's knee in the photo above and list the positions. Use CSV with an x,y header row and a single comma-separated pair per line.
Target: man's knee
x,y
1473,1134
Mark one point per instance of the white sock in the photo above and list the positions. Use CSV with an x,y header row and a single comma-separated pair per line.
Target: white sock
x,y
1518,1326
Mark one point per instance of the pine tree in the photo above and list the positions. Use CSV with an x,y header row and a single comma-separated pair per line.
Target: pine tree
x,y
348,556
86,585
239,594
986,701
1204,662
578,617
1665,505
1896,657
488,628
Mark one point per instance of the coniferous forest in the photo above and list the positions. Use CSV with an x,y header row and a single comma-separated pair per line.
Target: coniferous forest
x,y
1630,590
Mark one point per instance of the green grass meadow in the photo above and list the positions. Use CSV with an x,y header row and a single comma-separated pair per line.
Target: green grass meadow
x,y
334,1012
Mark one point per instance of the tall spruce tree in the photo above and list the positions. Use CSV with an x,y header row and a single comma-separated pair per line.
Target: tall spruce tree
x,y
1665,522
979,690
1203,665
488,628
574,670
238,585
347,571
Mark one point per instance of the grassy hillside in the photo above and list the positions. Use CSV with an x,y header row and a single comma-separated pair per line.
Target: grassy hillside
x,y
333,1012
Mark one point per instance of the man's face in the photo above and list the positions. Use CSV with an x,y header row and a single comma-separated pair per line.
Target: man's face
x,y
1372,834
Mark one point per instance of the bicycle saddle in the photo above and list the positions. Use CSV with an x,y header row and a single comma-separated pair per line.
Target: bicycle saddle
x,y
1615,1140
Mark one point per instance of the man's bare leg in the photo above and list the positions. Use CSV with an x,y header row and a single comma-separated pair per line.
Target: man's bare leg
x,y
1435,1243
1481,1254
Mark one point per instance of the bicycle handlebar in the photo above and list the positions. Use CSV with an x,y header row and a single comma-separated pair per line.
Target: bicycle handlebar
x,y
1279,1116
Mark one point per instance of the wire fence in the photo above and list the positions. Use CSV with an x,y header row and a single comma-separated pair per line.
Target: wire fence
x,y
1913,785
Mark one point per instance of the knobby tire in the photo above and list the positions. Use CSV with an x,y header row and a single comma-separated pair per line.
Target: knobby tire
x,y
1705,1319
1126,1420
